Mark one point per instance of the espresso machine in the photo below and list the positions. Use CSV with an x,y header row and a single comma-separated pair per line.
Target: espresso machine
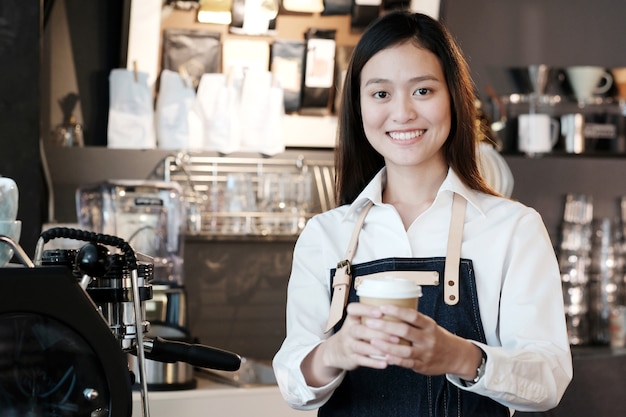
x,y
69,319
150,216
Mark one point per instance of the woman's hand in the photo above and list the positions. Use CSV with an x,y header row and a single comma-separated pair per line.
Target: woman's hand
x,y
376,343
432,350
349,348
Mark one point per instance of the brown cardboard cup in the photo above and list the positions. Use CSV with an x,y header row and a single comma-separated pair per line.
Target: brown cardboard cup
x,y
389,291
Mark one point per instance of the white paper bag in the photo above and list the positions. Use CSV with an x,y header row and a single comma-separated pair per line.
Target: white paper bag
x,y
238,112
272,139
261,114
217,112
131,111
254,93
176,96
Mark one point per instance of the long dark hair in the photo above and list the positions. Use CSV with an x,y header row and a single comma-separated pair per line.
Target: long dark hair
x,y
356,161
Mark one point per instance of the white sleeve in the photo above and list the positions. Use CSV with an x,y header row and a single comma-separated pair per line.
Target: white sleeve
x,y
533,366
308,304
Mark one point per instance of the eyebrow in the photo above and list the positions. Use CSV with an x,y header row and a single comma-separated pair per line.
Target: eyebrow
x,y
412,80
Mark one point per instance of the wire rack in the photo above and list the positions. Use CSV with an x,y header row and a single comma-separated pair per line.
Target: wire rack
x,y
251,196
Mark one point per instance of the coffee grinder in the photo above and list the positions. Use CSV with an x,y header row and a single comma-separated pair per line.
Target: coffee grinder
x,y
150,216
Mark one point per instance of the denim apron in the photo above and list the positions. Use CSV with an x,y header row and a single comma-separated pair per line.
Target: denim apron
x,y
401,392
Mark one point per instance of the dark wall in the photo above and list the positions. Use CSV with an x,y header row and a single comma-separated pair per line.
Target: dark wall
x,y
508,33
96,29
543,183
235,295
20,28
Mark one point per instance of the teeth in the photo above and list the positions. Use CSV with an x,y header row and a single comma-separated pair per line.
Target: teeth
x,y
406,135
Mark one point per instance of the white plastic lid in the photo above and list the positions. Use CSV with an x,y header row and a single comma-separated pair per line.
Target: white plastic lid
x,y
389,287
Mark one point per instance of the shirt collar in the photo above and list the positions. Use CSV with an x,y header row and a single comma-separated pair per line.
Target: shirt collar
x,y
374,192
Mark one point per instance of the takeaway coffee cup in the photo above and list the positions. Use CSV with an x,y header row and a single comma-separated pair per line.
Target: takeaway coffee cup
x,y
389,290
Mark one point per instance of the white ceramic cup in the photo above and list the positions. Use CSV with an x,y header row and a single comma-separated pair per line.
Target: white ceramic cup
x,y
8,199
587,80
11,229
537,133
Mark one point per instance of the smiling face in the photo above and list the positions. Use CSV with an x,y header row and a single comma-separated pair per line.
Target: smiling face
x,y
405,105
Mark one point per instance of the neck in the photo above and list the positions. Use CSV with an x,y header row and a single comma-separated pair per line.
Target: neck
x,y
413,186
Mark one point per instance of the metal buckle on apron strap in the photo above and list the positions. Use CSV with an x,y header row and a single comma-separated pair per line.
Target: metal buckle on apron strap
x,y
345,264
341,289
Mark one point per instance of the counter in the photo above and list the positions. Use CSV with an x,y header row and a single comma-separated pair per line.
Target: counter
x,y
212,399
597,390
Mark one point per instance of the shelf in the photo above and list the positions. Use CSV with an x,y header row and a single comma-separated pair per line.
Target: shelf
x,y
251,196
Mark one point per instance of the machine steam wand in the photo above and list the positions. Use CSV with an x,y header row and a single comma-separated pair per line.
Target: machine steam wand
x,y
18,251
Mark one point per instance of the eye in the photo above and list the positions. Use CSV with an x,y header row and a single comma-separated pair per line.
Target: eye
x,y
421,91
381,94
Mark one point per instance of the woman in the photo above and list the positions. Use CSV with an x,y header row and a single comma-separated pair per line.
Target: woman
x,y
489,337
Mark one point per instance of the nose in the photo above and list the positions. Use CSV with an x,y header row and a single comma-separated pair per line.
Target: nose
x,y
404,109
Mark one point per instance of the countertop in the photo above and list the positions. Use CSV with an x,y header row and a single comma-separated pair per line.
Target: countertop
x,y
593,367
213,399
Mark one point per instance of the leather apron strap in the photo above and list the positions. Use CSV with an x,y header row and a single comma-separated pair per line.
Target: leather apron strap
x,y
343,273
453,254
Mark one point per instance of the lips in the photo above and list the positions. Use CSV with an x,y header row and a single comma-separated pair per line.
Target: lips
x,y
406,135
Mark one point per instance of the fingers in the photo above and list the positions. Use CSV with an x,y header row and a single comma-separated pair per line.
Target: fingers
x,y
394,313
404,323
378,336
358,328
408,315
350,346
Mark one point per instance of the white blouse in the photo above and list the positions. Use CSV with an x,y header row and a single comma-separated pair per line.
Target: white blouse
x,y
518,282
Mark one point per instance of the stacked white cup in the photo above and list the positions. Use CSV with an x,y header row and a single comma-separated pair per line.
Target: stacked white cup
x,y
9,225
